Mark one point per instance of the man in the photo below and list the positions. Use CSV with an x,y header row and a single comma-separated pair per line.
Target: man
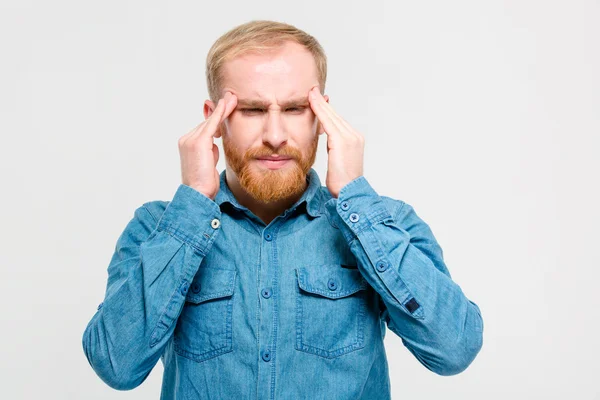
x,y
259,282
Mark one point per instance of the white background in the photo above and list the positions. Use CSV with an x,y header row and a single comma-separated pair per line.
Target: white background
x,y
484,116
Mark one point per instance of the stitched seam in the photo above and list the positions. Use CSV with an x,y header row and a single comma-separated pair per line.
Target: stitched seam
x,y
183,237
148,211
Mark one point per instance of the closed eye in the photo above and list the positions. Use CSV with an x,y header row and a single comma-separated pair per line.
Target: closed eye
x,y
251,110
261,110
296,109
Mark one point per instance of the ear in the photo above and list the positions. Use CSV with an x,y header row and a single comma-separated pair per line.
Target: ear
x,y
209,108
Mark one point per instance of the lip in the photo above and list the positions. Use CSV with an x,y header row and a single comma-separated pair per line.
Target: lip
x,y
274,158
273,163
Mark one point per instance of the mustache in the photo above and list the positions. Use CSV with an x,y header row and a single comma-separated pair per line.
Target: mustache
x,y
266,152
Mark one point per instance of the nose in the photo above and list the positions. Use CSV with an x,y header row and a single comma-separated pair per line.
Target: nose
x,y
275,134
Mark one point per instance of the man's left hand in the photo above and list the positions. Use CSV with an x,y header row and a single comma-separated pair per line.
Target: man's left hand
x,y
345,146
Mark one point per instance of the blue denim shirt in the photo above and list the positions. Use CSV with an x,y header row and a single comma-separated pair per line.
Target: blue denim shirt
x,y
296,309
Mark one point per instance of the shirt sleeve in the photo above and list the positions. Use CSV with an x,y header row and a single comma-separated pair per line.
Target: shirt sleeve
x,y
400,258
155,259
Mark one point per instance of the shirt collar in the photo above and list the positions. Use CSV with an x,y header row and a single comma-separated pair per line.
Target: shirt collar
x,y
311,195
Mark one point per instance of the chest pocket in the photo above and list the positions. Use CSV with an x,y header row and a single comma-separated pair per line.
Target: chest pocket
x,y
204,328
331,308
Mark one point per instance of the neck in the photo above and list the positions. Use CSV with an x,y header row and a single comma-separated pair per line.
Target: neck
x,y
266,212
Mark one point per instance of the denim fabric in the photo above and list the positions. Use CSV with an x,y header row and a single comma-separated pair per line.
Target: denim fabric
x,y
296,309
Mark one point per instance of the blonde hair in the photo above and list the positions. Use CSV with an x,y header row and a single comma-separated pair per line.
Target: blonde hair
x,y
258,36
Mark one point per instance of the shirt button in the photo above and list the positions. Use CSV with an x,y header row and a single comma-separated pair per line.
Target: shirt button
x,y
332,285
215,223
381,266
354,217
268,237
184,288
266,293
345,205
196,287
266,355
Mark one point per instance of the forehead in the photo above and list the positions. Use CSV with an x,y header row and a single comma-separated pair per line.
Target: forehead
x,y
287,72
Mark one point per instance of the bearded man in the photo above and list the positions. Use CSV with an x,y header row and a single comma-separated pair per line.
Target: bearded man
x,y
259,282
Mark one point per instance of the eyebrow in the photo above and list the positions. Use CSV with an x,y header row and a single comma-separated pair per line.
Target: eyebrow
x,y
253,103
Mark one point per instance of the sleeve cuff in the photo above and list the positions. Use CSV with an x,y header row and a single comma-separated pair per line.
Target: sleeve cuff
x,y
192,218
357,208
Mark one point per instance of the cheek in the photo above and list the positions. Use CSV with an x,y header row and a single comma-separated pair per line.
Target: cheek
x,y
303,129
303,135
303,123
243,129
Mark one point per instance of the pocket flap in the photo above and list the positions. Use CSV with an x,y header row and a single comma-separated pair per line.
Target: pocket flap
x,y
211,283
331,281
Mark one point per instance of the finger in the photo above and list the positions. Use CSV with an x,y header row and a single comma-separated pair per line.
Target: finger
x,y
200,128
228,104
231,104
349,127
340,122
208,130
192,132
326,116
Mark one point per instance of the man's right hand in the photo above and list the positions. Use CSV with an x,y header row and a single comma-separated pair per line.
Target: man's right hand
x,y
198,152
